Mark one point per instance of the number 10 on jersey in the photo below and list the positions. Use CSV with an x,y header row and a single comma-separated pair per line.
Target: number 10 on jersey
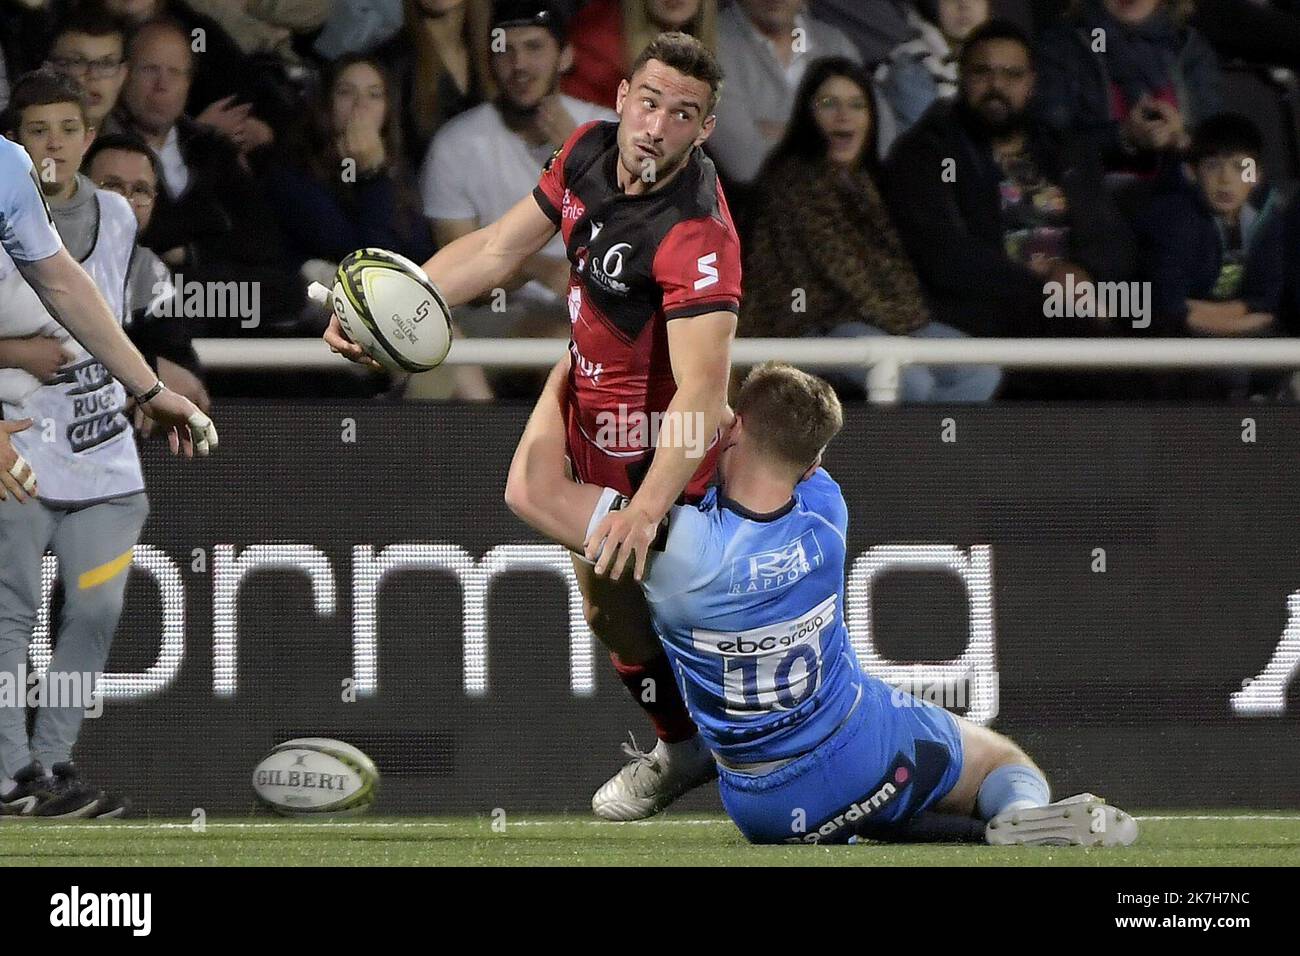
x,y
776,667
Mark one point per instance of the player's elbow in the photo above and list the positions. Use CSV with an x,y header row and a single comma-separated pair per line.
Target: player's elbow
x,y
520,498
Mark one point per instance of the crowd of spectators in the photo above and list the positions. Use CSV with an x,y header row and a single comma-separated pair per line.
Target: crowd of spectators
x,y
937,168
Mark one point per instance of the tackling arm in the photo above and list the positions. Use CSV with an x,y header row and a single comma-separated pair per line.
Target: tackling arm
x,y
700,351
538,489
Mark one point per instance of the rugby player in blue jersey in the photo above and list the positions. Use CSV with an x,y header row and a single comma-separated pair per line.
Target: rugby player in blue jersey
x,y
746,589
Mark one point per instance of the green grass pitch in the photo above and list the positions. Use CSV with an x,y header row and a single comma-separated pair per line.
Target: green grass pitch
x,y
1218,838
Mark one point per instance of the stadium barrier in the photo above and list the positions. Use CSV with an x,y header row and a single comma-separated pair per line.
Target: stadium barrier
x,y
1117,587
882,357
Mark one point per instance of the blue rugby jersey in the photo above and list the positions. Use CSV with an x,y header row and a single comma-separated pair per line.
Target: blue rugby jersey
x,y
750,609
26,228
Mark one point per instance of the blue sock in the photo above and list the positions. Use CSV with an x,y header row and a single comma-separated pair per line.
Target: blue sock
x,y
1011,787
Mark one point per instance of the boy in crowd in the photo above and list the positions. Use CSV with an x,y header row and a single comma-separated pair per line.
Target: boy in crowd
x,y
1213,250
90,48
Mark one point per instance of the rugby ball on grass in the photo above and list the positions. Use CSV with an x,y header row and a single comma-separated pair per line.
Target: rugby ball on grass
x,y
315,777
387,305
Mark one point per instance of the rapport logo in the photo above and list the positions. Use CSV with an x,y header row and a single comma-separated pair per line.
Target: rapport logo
x,y
776,569
77,909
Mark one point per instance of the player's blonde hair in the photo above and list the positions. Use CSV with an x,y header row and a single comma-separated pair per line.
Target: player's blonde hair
x,y
790,414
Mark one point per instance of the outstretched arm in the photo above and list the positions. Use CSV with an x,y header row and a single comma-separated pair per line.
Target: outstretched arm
x,y
487,258
474,264
72,297
538,488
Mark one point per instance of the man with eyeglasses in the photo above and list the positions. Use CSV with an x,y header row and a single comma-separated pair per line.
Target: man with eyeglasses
x,y
993,206
89,48
210,219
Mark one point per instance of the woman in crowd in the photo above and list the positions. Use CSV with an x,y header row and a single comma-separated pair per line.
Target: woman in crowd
x,y
343,183
824,258
924,68
607,35
439,62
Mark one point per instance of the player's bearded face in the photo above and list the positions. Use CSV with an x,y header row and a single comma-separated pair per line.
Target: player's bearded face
x,y
662,115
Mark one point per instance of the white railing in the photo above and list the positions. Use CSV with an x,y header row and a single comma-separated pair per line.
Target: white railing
x,y
881,358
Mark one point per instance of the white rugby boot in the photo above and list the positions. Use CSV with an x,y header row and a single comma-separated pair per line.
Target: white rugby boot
x,y
652,780
1081,820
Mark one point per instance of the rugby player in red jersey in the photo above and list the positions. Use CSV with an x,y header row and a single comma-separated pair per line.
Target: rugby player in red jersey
x,y
654,291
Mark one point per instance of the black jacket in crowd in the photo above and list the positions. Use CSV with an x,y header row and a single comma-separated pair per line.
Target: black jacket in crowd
x,y
226,226
954,233
1182,254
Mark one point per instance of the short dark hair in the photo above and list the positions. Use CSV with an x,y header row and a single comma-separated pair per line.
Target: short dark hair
x,y
125,143
43,87
687,55
790,414
995,29
91,22
1224,134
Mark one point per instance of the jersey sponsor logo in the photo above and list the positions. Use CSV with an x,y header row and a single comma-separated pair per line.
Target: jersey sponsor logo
x,y
91,432
585,365
878,797
771,637
575,304
571,208
765,571
605,270
708,271
89,376
776,667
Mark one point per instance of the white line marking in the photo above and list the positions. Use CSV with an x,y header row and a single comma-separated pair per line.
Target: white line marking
x,y
1294,818
36,826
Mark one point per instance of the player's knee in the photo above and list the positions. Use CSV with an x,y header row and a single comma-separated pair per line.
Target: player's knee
x,y
1003,751
985,750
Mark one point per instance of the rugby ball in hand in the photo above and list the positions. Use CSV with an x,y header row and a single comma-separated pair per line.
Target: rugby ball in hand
x,y
315,776
387,305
